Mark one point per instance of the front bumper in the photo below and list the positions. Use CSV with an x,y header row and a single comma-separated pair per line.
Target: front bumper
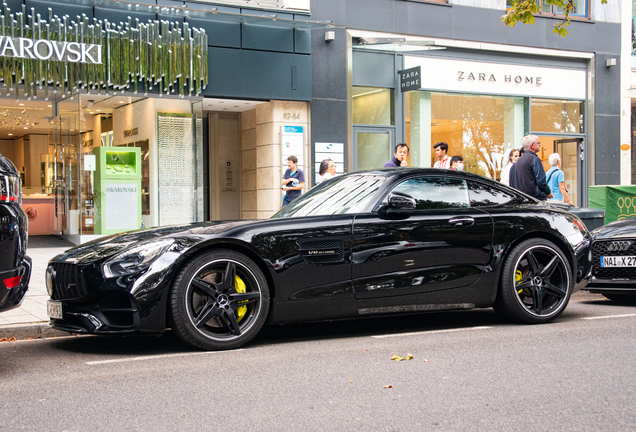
x,y
611,286
12,298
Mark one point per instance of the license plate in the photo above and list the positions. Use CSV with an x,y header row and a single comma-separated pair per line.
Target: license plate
x,y
54,309
618,261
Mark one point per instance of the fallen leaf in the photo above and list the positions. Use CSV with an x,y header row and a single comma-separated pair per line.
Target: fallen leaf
x,y
406,357
389,386
425,361
4,340
350,380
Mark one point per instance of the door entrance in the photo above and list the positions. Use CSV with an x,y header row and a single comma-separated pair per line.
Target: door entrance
x,y
571,152
373,147
64,139
224,165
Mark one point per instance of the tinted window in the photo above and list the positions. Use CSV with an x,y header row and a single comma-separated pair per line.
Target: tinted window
x,y
346,194
434,192
484,195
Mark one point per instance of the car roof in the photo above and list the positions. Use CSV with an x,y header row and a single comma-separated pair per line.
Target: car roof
x,y
7,167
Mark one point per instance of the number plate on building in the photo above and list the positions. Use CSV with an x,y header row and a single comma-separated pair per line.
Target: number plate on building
x,y
54,309
618,261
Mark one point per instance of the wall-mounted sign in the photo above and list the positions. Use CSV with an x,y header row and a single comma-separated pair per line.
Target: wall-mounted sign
x,y
170,57
496,78
333,151
121,208
410,79
131,132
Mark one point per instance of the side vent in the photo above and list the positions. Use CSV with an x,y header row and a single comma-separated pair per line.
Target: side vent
x,y
322,251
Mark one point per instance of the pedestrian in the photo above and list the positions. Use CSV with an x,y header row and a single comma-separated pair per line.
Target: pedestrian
x,y
511,174
296,177
513,156
441,150
529,174
556,180
457,163
327,170
399,156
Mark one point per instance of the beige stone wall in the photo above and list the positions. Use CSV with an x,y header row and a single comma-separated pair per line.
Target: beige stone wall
x,y
269,164
248,164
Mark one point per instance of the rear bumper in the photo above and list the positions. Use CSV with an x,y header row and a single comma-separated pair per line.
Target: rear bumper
x,y
12,298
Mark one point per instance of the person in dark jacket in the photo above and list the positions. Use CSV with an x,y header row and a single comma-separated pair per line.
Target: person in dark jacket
x,y
399,156
528,172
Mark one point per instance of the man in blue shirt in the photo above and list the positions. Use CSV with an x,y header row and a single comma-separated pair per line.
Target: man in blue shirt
x,y
556,180
529,174
293,180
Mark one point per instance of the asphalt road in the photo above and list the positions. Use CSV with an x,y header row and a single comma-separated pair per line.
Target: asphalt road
x,y
470,371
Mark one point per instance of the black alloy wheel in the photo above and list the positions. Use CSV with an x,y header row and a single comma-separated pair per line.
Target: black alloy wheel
x,y
536,283
219,301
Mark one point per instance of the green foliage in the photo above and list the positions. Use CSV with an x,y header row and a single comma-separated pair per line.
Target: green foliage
x,y
524,11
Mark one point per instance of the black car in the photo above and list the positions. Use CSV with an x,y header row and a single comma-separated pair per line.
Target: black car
x,y
614,261
365,244
15,265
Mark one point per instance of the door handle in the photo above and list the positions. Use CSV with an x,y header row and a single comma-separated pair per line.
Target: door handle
x,y
461,221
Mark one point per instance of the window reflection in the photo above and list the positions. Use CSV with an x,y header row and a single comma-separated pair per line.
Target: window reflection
x,y
373,106
549,115
432,193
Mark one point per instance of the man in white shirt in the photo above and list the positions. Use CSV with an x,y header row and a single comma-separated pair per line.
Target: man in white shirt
x,y
443,160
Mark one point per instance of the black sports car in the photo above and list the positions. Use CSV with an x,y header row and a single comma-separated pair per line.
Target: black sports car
x,y
15,265
614,261
368,243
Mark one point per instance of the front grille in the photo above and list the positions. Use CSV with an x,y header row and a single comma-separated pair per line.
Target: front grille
x,y
68,282
600,248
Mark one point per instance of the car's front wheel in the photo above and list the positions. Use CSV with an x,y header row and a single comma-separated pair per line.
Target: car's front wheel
x,y
219,301
536,283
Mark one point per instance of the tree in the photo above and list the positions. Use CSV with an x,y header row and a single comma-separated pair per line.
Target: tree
x,y
524,10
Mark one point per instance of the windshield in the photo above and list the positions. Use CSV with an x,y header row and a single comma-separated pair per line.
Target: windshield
x,y
346,194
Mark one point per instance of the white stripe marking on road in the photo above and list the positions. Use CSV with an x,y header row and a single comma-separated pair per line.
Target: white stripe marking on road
x,y
609,316
131,359
430,332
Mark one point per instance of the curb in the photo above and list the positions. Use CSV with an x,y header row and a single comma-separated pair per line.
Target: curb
x,y
36,330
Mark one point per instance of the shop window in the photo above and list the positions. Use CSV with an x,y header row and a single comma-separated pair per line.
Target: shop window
x,y
373,106
561,116
480,128
580,8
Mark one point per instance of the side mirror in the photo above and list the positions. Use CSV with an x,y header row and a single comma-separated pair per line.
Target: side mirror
x,y
399,200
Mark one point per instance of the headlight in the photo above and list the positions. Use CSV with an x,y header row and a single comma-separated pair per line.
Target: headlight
x,y
49,280
136,259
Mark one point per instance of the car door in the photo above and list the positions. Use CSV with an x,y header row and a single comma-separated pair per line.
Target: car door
x,y
440,244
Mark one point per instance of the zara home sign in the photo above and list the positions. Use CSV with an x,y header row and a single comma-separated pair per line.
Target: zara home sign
x,y
497,78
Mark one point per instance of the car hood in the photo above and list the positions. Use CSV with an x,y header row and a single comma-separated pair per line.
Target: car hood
x,y
186,235
625,228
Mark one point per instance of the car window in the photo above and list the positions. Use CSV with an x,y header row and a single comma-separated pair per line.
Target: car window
x,y
345,194
434,192
482,195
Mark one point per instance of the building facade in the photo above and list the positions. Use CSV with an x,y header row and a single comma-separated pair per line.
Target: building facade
x,y
198,104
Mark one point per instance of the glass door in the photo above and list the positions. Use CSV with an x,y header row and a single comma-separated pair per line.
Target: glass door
x,y
571,152
64,144
373,147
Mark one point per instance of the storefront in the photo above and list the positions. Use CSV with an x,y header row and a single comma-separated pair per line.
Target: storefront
x,y
134,115
481,104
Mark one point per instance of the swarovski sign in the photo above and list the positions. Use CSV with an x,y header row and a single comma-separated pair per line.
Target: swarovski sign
x,y
43,49
63,55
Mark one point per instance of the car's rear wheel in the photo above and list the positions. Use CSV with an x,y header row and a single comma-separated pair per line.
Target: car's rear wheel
x,y
536,283
621,298
219,301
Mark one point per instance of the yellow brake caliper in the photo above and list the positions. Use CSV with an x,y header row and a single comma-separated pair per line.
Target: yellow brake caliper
x,y
518,277
240,288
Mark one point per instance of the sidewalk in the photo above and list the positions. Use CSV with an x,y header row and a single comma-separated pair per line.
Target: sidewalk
x,y
30,319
